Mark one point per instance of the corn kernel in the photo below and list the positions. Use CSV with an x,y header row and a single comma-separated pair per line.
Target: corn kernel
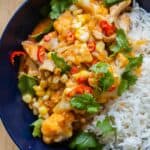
x,y
27,98
37,88
82,34
40,93
43,84
49,55
82,73
100,46
43,110
83,18
64,78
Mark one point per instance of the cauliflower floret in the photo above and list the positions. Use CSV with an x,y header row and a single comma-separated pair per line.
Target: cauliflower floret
x,y
57,127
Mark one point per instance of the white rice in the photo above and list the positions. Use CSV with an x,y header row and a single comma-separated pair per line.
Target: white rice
x,y
133,120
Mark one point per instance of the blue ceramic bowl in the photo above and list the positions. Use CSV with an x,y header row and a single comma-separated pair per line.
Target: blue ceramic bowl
x,y
14,114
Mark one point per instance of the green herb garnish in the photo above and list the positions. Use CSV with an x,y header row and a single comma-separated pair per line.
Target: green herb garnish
x,y
26,84
128,77
109,3
85,102
85,141
122,43
60,63
37,128
106,81
58,7
106,126
100,67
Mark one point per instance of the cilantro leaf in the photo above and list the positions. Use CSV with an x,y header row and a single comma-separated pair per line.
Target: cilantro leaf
x,y
122,87
122,43
84,141
60,63
109,3
58,7
105,126
134,62
122,40
106,81
85,102
26,84
37,128
128,78
100,67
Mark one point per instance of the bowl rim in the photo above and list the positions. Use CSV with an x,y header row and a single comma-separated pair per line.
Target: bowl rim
x,y
2,118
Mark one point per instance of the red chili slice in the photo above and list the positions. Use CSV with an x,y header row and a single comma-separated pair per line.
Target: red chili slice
x,y
74,70
41,54
47,38
91,45
108,29
70,37
16,54
112,88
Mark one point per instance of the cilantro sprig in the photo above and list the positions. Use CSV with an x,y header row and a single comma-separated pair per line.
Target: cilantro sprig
x,y
85,102
60,63
85,141
26,83
122,43
37,128
106,126
128,76
100,67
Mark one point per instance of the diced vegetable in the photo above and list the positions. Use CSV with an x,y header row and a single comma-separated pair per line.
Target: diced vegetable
x,y
106,81
85,102
16,54
106,126
26,84
37,128
60,63
74,70
111,2
107,28
41,54
85,141
100,67
57,7
122,43
91,45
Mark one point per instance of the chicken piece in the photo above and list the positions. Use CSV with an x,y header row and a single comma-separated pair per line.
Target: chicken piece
x,y
47,65
109,39
63,23
57,127
50,41
31,49
91,6
117,9
124,22
62,106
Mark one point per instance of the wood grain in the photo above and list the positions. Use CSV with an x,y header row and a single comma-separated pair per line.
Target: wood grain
x,y
7,8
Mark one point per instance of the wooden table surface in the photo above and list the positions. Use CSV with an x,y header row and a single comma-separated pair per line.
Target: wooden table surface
x,y
7,8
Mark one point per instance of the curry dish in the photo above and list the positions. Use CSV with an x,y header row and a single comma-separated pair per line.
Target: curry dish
x,y
75,63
